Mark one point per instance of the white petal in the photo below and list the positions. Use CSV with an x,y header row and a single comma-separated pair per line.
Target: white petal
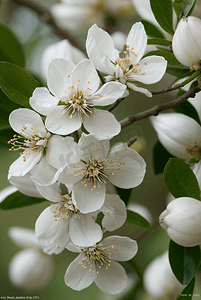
x,y
100,49
20,167
57,79
115,213
23,237
139,89
87,198
197,171
52,249
79,277
42,101
137,41
110,92
113,280
51,193
123,248
43,173
102,124
25,185
27,117
60,122
73,248
127,175
177,132
49,231
62,151
7,191
85,76
152,69
92,147
84,231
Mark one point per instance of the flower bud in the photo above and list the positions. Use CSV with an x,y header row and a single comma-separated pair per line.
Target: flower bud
x,y
181,220
30,269
159,280
186,43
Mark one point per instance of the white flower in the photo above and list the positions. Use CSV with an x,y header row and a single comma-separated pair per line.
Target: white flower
x,y
62,49
98,263
179,134
29,125
76,89
159,280
181,220
30,269
186,43
124,168
129,68
62,222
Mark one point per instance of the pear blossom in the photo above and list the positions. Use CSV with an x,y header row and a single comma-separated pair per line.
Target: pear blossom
x,y
129,68
87,176
30,268
181,220
29,125
186,43
159,280
62,49
78,14
75,90
97,263
62,221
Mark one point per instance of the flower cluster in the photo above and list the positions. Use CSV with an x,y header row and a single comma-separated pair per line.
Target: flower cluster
x,y
74,174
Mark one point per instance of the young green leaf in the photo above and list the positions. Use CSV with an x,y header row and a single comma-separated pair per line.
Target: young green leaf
x,y
152,30
179,72
10,48
187,292
180,179
162,11
16,83
18,199
187,109
135,218
184,261
183,8
160,157
6,107
161,42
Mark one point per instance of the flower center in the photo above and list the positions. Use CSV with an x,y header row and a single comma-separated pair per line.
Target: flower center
x,y
194,151
77,102
64,208
100,255
32,143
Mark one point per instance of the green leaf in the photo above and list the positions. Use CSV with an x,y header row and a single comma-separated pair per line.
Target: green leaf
x,y
152,30
124,194
184,261
187,109
160,157
162,11
180,179
161,42
135,218
6,134
179,72
10,48
169,56
187,292
18,199
183,8
16,83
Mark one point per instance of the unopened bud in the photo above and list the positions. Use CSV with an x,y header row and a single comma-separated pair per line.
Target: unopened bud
x,y
181,220
186,43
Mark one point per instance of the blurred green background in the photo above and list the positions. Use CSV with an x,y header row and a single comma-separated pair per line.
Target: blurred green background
x,y
152,193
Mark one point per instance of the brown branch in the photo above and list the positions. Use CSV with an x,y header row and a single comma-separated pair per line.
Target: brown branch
x,y
115,104
168,89
47,18
132,140
154,111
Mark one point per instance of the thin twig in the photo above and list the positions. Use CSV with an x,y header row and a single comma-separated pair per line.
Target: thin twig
x,y
115,104
154,111
47,18
132,140
168,89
